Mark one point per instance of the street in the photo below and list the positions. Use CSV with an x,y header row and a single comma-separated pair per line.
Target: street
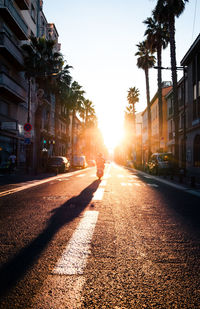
x,y
126,241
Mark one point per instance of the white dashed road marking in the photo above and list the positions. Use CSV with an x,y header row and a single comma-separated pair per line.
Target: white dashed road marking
x,y
152,185
74,258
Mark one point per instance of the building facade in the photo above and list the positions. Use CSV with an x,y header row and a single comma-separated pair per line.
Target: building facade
x,y
159,143
13,86
191,62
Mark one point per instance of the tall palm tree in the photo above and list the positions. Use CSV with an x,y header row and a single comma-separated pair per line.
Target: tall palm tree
x,y
75,99
157,39
87,111
88,115
166,11
145,61
41,62
133,98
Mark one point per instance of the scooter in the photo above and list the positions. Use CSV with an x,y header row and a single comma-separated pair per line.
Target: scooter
x,y
100,172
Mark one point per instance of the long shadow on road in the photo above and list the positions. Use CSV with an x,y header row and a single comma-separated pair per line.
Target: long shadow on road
x,y
16,268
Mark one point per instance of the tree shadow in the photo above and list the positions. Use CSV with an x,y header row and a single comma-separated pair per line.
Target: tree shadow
x,y
15,269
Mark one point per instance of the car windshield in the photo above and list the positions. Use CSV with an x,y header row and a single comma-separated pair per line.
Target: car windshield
x,y
78,159
165,157
55,160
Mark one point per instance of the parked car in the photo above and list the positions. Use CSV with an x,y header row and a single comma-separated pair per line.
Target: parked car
x,y
91,163
79,162
58,163
160,163
129,163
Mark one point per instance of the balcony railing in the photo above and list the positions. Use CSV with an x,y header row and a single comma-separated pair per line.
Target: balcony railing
x,y
170,135
23,4
14,19
11,88
10,49
170,111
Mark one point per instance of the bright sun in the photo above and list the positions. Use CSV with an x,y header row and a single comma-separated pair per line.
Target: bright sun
x,y
112,134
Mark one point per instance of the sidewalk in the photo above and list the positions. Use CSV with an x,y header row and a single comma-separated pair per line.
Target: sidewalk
x,y
180,182
20,177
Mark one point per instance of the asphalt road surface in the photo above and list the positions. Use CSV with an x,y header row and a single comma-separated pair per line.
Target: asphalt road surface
x,y
127,241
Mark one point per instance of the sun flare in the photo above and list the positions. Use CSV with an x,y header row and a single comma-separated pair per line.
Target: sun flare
x,y
112,135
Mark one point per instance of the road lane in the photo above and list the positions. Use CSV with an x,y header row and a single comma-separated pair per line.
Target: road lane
x,y
144,249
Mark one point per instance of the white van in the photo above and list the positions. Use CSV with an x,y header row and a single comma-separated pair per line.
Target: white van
x,y
79,161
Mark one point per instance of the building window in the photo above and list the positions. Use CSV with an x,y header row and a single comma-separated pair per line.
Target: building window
x,y
197,151
33,14
4,108
194,92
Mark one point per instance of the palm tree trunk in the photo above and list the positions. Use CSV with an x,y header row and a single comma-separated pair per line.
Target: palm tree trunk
x,y
160,107
148,111
175,88
72,141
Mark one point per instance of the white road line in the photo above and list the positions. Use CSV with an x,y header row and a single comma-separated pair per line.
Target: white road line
x,y
152,185
74,258
98,195
36,183
120,176
103,183
137,184
81,175
123,184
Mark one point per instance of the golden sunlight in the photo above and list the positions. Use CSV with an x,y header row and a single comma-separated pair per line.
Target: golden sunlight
x,y
112,135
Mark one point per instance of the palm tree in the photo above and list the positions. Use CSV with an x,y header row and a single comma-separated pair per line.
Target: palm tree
x,y
145,61
75,99
41,62
40,59
166,11
88,115
133,98
87,111
157,39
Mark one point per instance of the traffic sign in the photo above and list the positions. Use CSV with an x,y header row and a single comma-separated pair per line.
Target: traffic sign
x,y
27,134
27,127
27,141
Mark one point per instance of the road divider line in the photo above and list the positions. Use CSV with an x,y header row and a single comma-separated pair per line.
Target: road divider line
x,y
74,257
98,195
37,183
152,185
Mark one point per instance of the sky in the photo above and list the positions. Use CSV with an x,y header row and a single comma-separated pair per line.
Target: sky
x,y
98,38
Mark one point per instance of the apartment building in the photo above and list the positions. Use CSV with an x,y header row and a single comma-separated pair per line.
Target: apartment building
x,y
158,143
144,137
13,86
191,62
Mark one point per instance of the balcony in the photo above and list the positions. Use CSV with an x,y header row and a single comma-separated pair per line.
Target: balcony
x,y
170,135
13,19
13,90
23,4
10,50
